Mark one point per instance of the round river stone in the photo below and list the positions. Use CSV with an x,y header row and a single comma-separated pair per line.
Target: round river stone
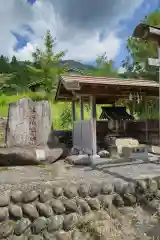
x,y
17,196
83,205
106,188
94,203
15,211
70,221
30,196
38,225
57,191
21,226
4,214
70,191
57,206
44,209
95,190
45,195
106,200
118,201
70,206
6,229
4,199
83,190
55,223
30,211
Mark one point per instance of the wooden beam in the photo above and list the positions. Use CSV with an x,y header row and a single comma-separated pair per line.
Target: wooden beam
x,y
159,90
154,31
147,32
112,92
81,108
73,111
146,113
154,62
93,122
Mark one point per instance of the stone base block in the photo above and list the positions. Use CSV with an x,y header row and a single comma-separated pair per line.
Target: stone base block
x,y
137,152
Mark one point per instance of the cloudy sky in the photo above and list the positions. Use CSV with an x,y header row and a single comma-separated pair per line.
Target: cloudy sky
x,y
86,28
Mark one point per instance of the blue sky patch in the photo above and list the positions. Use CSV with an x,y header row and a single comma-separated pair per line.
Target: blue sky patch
x,y
31,1
21,41
28,28
129,25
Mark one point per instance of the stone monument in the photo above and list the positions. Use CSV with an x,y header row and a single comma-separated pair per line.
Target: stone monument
x,y
29,123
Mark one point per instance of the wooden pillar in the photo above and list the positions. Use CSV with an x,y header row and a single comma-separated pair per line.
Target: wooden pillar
x,y
146,114
134,106
93,122
131,109
81,108
159,89
73,111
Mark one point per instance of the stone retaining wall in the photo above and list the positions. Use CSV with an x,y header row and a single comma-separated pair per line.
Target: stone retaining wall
x,y
56,212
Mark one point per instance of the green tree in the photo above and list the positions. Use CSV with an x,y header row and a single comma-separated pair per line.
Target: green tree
x,y
136,62
104,67
19,78
4,65
47,65
14,61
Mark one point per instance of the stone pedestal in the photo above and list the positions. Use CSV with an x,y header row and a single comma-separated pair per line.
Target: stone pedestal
x,y
113,153
110,142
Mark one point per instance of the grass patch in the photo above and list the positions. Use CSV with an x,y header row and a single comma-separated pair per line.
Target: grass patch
x,y
58,109
4,169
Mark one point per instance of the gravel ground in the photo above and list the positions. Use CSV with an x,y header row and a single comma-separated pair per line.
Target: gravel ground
x,y
15,177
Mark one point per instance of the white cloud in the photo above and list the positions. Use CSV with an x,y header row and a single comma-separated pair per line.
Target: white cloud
x,y
81,45
26,52
12,15
89,48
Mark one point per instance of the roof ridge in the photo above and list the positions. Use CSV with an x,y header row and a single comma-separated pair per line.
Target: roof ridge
x,y
109,78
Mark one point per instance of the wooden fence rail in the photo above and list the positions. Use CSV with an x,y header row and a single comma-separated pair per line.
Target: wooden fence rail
x,y
144,131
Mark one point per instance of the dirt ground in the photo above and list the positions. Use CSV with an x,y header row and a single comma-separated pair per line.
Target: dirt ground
x,y
100,170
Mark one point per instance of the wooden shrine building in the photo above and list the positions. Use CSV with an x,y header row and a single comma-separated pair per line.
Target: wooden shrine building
x,y
100,90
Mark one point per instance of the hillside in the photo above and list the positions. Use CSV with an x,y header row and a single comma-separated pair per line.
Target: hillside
x,y
78,65
16,73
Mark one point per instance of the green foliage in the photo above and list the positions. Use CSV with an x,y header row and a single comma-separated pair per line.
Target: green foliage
x,y
56,108
153,18
136,63
18,78
46,65
4,65
66,117
61,112
104,67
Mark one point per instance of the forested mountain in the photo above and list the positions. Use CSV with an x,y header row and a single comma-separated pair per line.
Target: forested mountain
x,y
17,72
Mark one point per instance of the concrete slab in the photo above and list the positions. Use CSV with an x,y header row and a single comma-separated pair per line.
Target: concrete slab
x,y
154,149
132,169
